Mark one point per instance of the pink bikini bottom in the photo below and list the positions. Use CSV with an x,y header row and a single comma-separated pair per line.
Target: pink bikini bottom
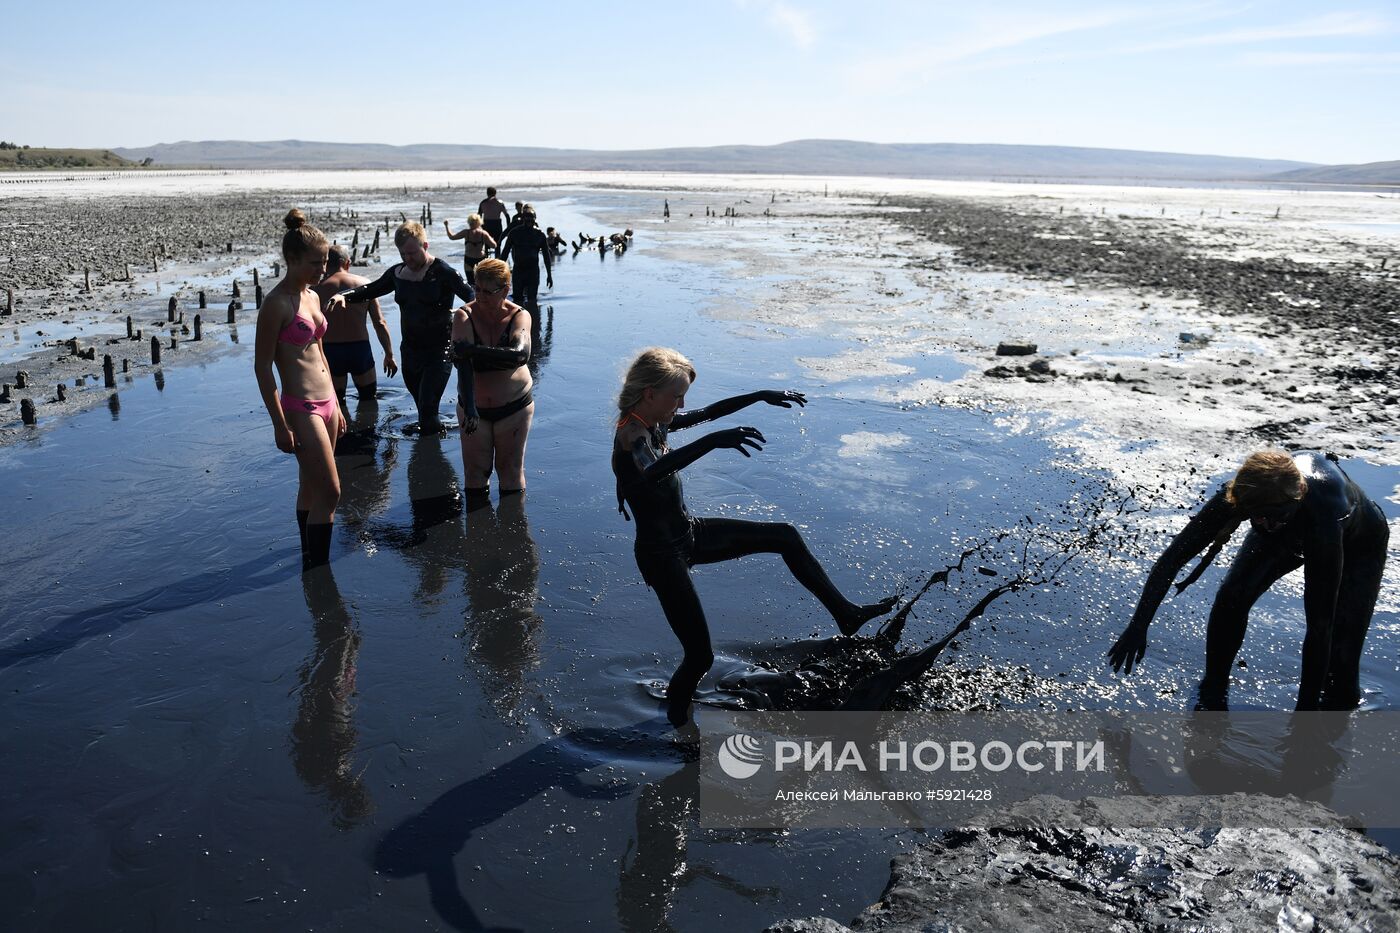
x,y
325,409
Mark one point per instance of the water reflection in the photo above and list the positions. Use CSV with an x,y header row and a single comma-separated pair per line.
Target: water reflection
x,y
502,583
365,458
541,338
323,734
432,540
427,843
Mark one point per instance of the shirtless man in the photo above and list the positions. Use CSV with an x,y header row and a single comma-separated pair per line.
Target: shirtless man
x,y
492,210
346,342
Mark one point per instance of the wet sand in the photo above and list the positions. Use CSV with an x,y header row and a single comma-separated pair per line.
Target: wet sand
x,y
464,713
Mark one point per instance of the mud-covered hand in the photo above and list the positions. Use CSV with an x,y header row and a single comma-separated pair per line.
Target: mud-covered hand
x,y
1128,650
739,439
334,303
469,423
783,398
286,441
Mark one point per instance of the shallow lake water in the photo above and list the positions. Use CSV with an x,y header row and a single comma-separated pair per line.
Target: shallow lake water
x,y
458,727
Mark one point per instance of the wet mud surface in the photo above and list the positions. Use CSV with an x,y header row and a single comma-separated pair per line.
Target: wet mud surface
x,y
1052,878
457,725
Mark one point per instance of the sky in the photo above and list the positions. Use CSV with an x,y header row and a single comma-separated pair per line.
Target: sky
x,y
1316,82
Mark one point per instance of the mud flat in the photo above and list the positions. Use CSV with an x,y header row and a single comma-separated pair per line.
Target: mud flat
x,y
1051,875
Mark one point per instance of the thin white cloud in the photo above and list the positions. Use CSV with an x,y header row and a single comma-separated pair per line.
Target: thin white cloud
x,y
993,33
1333,25
1297,59
794,23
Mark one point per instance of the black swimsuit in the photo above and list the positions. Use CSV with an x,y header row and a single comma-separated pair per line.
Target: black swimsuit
x,y
500,412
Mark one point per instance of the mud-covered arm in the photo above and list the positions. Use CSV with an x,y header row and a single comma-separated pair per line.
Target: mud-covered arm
x,y
466,388
517,354
1203,528
377,289
1322,579
784,398
654,467
457,284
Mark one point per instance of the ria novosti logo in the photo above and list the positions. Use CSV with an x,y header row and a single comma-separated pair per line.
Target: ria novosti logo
x,y
741,756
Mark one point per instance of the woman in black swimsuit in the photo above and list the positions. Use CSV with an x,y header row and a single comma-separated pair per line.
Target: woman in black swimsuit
x,y
423,288
1304,511
491,345
669,541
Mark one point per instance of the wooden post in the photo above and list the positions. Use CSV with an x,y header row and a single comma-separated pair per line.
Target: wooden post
x,y
197,323
232,312
21,380
170,309
229,248
155,266
1383,262
109,372
62,392
255,276
9,301
127,267
276,270
354,244
87,280
126,365
386,224
237,292
365,254
26,410
430,212
174,341
203,302
257,297
5,392
375,247
155,351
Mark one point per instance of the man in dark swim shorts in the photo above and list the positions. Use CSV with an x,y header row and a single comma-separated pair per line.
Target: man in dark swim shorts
x,y
348,352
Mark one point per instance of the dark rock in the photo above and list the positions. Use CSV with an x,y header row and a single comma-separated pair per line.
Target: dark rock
x,y
1015,349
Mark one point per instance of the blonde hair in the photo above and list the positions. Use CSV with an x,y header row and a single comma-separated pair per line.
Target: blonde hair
x,y
473,220
300,238
653,368
410,230
1268,477
493,273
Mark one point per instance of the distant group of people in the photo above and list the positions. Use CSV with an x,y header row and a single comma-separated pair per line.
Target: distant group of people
x,y
313,334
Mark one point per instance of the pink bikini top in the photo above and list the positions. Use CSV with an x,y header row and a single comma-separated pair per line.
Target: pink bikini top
x,y
300,332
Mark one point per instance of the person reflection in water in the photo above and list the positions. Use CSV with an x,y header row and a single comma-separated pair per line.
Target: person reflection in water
x,y
503,578
669,541
1304,511
323,735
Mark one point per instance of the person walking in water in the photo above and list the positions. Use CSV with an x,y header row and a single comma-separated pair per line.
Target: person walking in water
x,y
526,244
423,286
491,345
1304,511
347,338
669,541
479,242
492,209
306,419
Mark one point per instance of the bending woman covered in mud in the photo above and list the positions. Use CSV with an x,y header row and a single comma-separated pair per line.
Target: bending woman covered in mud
x,y
1304,511
669,541
306,417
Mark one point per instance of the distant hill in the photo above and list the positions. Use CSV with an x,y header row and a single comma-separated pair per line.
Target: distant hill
x,y
802,157
27,159
1367,173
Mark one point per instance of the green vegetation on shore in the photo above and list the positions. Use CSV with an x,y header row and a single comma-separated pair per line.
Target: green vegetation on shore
x,y
14,157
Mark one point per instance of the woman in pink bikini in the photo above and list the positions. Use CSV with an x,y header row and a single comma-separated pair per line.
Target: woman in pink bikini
x,y
306,420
